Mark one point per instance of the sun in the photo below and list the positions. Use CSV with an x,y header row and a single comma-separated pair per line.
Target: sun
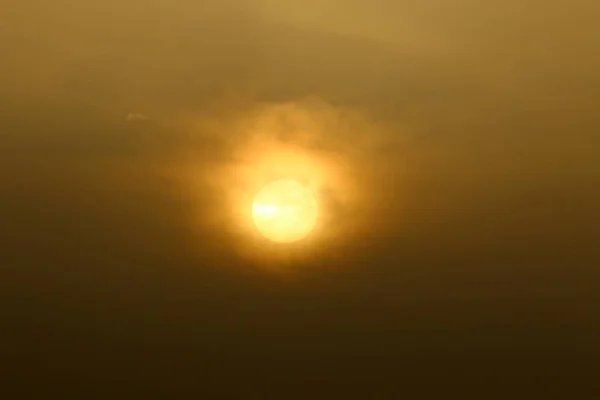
x,y
285,211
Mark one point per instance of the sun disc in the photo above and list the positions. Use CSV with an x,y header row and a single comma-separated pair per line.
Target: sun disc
x,y
285,211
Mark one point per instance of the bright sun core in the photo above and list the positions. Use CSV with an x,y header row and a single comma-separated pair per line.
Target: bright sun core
x,y
285,211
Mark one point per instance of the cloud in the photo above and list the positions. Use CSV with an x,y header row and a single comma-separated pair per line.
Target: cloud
x,y
337,151
132,117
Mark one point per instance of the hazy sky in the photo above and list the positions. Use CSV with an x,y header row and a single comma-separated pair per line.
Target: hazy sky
x,y
464,230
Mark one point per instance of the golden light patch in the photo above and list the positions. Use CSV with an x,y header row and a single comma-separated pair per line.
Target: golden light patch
x,y
284,211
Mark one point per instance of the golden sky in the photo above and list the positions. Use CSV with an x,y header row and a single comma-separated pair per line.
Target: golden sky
x,y
454,144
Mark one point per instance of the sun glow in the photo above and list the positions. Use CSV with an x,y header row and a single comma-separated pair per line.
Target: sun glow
x,y
285,181
284,211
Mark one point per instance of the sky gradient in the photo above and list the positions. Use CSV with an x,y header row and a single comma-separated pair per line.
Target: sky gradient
x,y
469,132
